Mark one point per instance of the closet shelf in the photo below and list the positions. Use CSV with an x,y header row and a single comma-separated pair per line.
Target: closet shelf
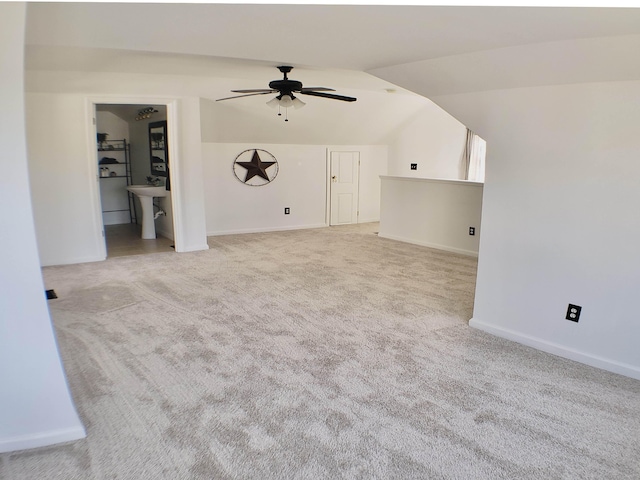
x,y
122,150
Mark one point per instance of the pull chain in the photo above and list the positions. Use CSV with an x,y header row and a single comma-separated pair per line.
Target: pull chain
x,y
286,113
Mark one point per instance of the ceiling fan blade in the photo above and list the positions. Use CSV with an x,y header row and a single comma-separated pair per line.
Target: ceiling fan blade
x,y
255,90
248,95
329,95
316,89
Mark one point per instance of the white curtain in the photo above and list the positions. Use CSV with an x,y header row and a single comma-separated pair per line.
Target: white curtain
x,y
475,151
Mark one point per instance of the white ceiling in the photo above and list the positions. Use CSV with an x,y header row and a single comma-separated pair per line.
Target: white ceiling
x,y
582,60
356,37
442,44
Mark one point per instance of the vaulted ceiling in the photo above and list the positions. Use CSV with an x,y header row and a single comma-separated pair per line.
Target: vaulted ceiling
x,y
365,51
445,42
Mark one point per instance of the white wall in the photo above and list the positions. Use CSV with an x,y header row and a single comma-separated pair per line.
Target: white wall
x,y
35,406
187,185
63,173
371,120
433,213
233,207
116,127
434,140
560,218
301,185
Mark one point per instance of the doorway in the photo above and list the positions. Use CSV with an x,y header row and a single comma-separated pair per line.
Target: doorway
x,y
344,185
126,157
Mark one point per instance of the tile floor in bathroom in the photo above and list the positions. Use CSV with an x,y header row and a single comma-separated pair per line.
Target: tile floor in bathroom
x,y
126,239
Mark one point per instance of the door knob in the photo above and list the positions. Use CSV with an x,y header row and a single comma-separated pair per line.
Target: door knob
x,y
334,178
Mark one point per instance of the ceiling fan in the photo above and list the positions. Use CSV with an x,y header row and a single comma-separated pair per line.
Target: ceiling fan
x,y
285,89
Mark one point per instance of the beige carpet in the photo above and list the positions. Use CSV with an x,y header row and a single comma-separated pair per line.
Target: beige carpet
x,y
315,354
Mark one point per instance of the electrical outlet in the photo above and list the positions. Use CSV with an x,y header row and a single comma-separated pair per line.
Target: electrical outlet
x,y
414,166
472,230
573,313
287,210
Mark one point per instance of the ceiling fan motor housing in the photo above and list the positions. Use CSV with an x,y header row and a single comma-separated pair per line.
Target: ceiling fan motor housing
x,y
285,87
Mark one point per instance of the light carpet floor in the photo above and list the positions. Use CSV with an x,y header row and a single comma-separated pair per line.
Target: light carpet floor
x,y
315,354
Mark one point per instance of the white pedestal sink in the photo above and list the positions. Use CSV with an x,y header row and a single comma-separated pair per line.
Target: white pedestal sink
x,y
146,193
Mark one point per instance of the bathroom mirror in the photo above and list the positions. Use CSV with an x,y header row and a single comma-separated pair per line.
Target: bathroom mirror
x,y
158,148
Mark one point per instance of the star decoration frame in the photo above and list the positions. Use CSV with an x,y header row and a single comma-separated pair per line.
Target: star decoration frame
x,y
255,167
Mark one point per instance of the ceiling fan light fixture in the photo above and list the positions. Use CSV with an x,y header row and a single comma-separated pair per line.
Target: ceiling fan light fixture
x,y
286,101
274,102
297,103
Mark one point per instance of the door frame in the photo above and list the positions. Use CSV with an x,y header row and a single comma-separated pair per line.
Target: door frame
x,y
174,172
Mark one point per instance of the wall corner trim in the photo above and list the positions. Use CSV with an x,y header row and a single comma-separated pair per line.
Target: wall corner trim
x,y
193,248
42,439
54,262
266,229
559,350
446,248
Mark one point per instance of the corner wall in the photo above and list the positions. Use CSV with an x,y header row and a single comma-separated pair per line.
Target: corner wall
x,y
432,139
432,213
36,408
560,218
61,179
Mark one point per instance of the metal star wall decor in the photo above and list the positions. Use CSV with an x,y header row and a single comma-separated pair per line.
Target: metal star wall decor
x,y
255,172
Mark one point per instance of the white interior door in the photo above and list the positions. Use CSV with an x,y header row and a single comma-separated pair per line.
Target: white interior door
x,y
345,171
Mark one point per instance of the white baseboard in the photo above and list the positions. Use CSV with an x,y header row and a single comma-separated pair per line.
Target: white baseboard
x,y
559,350
71,261
469,253
193,248
265,229
43,439
165,233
